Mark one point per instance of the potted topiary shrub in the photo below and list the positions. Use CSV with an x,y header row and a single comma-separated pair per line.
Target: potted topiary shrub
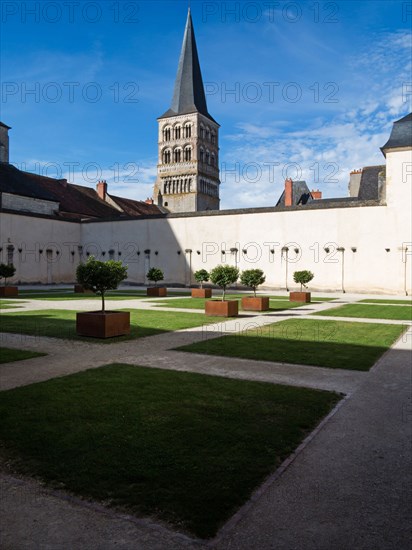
x,y
302,278
155,274
101,277
253,278
6,271
223,276
201,276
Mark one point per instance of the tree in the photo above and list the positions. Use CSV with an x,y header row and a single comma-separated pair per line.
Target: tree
x,y
101,276
6,271
201,276
223,276
303,277
252,278
155,274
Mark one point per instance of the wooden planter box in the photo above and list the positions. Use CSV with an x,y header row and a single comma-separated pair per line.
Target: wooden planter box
x,y
79,289
299,297
201,292
9,291
157,291
217,308
97,324
250,303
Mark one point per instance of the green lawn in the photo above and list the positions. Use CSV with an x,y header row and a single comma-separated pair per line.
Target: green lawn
x,y
7,355
9,304
276,304
400,302
332,344
59,323
400,313
184,448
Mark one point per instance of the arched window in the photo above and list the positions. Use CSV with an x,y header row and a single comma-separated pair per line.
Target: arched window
x,y
166,156
188,153
177,132
207,157
189,183
213,160
213,138
188,131
165,189
207,134
202,132
166,134
202,155
178,155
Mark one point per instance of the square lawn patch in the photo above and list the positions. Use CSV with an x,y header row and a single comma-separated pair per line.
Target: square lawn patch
x,y
400,313
62,323
185,448
332,344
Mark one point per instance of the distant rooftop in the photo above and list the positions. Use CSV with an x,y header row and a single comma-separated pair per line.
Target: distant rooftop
x,y
401,135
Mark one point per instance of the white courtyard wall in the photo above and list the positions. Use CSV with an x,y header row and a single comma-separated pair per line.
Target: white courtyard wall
x,y
45,244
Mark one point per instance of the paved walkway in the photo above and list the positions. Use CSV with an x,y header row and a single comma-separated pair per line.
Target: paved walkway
x,y
346,488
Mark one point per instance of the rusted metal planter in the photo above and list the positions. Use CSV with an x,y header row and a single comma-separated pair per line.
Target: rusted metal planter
x,y
250,303
9,291
157,291
299,297
99,324
217,308
201,292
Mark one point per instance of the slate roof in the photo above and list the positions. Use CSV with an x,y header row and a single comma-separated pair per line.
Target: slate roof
x,y
300,194
13,180
5,125
75,201
189,93
136,208
369,183
401,135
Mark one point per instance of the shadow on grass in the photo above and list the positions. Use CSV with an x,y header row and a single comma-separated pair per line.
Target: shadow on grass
x,y
62,324
181,447
330,344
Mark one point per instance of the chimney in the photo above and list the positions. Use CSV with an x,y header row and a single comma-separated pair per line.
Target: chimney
x,y
149,201
316,195
288,192
354,182
101,189
4,142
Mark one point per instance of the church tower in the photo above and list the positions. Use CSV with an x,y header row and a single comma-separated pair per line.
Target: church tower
x,y
188,165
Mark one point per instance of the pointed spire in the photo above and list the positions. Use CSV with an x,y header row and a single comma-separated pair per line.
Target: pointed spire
x,y
189,94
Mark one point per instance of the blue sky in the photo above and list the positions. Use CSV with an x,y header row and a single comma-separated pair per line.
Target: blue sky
x,y
301,89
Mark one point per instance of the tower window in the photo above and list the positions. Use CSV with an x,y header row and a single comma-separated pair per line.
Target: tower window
x,y
213,160
202,132
188,131
207,157
166,134
178,155
166,157
202,155
188,153
208,134
177,132
213,138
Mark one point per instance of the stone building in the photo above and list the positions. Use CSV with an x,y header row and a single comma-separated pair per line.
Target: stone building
x,y
188,166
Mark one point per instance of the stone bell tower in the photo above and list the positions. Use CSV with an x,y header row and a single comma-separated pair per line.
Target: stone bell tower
x,y
188,165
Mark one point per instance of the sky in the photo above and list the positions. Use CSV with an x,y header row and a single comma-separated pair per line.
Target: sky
x,y
307,90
